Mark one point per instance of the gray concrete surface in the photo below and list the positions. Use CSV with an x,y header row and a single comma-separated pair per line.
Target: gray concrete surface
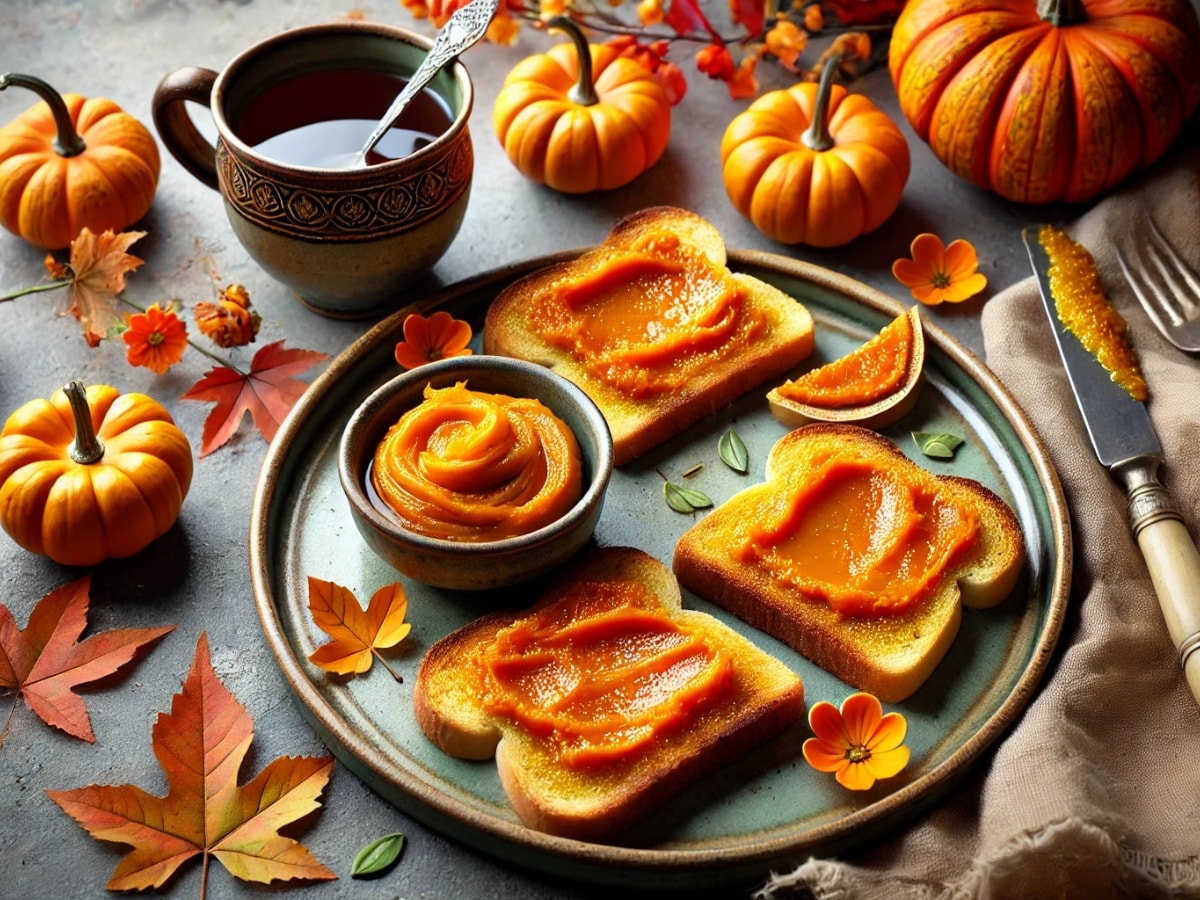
x,y
197,576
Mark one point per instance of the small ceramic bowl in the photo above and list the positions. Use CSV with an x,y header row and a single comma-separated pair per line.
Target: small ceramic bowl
x,y
462,565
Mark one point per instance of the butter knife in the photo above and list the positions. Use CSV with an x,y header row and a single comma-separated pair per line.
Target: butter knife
x,y
1125,443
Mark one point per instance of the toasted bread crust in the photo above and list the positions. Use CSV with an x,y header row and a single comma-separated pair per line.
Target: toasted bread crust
x,y
597,803
888,655
639,424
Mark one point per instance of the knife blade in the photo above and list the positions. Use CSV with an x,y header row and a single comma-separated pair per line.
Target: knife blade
x,y
1125,443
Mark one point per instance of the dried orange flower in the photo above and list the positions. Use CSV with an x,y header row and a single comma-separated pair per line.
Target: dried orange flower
x,y
940,274
503,29
230,322
438,337
715,61
56,270
786,42
858,742
156,338
650,12
743,85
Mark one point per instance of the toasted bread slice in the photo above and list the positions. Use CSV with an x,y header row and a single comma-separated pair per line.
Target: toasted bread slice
x,y
887,652
757,697
610,321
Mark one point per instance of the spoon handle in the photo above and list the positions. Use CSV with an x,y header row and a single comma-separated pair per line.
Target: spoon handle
x,y
461,31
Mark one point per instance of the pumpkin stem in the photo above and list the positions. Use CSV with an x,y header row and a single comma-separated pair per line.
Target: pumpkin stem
x,y
584,91
1061,12
86,448
817,136
68,142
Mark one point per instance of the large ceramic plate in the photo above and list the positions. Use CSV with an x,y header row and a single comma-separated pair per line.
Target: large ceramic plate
x,y
767,810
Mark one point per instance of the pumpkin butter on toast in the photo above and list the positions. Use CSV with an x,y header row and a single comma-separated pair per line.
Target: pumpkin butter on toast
x,y
603,700
855,556
652,325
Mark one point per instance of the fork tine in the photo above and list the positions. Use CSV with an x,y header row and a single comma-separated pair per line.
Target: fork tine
x,y
1150,297
1165,285
1180,279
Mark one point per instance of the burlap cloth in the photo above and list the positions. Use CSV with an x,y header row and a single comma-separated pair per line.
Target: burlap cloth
x,y
1095,792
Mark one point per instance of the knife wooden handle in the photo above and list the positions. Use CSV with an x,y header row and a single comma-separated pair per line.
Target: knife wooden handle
x,y
1174,565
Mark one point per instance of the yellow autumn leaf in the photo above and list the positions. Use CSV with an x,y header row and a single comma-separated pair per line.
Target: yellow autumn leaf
x,y
357,634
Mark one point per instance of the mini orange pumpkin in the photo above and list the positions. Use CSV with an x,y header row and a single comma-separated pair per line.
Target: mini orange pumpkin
x,y
1043,101
70,163
580,118
813,164
91,474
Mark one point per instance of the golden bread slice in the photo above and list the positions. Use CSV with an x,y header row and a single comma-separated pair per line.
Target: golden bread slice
x,y
652,325
855,556
603,700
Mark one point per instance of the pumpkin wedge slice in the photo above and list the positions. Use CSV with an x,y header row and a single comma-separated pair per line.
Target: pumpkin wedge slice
x,y
871,386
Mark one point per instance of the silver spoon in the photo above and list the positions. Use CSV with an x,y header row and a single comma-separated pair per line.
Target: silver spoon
x,y
463,29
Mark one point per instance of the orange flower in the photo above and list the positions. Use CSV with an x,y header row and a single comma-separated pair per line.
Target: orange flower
x,y
939,274
858,743
814,18
230,322
742,84
786,42
715,61
438,337
503,29
56,270
156,338
650,12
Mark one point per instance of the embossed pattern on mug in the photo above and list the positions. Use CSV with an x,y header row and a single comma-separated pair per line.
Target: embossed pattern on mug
x,y
387,206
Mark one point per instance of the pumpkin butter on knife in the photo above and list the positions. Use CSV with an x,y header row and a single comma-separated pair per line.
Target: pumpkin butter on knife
x,y
653,326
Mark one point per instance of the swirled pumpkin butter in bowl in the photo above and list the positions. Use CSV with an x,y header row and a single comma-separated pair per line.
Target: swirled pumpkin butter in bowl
x,y
476,472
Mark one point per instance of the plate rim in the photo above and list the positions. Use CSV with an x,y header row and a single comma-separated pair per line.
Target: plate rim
x,y
696,867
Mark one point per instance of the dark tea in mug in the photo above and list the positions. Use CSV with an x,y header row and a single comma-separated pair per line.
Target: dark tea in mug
x,y
317,118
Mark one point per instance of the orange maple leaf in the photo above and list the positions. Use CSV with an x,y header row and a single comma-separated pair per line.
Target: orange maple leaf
x,y
99,264
44,662
358,635
201,745
268,393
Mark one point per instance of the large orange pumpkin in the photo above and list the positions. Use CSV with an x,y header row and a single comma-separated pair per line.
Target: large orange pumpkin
x,y
581,118
70,162
1047,101
91,474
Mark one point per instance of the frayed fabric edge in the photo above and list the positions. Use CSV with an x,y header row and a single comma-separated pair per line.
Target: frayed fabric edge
x,y
1069,842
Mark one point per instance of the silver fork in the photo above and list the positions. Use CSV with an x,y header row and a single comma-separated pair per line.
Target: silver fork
x,y
1166,287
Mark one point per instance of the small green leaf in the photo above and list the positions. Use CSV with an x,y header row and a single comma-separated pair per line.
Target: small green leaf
x,y
684,500
938,444
378,856
733,451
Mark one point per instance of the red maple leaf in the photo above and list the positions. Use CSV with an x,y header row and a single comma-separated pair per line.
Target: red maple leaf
x,y
865,12
685,17
43,662
750,15
201,745
268,393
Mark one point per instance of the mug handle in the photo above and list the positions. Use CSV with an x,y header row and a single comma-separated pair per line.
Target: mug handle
x,y
176,127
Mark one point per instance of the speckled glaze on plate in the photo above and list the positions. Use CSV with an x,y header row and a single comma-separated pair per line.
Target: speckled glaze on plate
x,y
767,811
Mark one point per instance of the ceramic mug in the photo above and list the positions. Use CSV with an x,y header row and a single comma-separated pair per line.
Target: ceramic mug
x,y
346,241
